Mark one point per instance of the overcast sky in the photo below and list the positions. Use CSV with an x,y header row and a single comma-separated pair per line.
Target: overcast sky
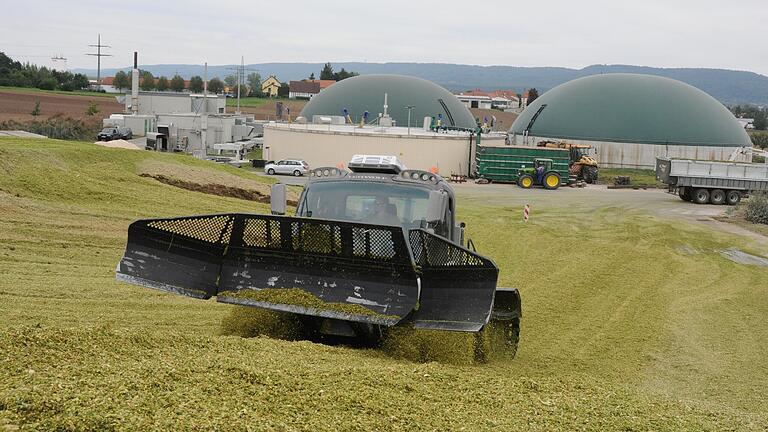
x,y
568,33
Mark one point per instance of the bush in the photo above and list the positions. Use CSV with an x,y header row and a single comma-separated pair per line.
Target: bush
x,y
757,208
92,109
759,139
48,84
58,127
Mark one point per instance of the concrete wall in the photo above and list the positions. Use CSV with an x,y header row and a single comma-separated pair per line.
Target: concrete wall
x,y
631,155
449,153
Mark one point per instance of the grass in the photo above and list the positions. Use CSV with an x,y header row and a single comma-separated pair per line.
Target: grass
x,y
624,328
255,153
642,177
250,102
30,90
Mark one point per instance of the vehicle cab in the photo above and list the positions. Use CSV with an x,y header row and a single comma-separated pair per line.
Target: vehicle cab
x,y
380,190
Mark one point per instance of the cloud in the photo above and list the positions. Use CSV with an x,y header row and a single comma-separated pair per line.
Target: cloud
x,y
681,33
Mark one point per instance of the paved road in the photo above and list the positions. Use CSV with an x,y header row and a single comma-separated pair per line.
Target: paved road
x,y
656,202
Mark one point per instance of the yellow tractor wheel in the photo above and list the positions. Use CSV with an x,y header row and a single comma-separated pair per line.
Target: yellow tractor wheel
x,y
552,181
525,181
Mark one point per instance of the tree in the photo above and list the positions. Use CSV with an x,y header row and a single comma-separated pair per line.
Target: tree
x,y
327,72
230,81
284,90
196,84
121,81
79,81
36,110
162,83
216,85
177,83
312,76
147,82
532,95
254,84
759,121
343,74
48,83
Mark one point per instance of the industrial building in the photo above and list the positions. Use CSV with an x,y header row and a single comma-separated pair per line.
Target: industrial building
x,y
631,119
332,126
150,103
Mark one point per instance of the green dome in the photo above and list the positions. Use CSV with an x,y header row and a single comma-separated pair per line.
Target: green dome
x,y
366,93
632,108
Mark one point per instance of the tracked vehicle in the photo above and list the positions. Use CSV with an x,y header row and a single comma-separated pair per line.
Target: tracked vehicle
x,y
374,247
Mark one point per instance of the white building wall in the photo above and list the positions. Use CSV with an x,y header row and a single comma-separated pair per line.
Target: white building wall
x,y
450,154
632,155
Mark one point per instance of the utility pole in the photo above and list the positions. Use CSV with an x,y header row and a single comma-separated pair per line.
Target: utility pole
x,y
240,79
98,56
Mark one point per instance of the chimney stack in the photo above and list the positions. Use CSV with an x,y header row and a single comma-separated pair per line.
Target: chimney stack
x,y
135,85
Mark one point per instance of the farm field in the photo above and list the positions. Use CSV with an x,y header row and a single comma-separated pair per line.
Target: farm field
x,y
18,103
633,319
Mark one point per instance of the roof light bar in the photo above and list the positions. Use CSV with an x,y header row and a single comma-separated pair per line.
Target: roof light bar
x,y
376,163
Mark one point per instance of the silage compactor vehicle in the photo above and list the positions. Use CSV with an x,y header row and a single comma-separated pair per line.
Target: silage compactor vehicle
x,y
368,249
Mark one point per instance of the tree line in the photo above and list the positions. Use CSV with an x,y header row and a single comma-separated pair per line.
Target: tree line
x,y
17,74
758,114
147,82
327,73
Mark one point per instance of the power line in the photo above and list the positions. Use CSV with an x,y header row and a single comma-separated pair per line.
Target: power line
x,y
240,79
98,56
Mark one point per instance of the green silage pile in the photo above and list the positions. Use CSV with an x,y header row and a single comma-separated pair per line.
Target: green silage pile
x,y
299,297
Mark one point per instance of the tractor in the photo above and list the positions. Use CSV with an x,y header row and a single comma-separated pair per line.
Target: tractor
x,y
583,165
540,174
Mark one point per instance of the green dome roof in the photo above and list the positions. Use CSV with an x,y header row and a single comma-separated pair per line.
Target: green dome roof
x,y
366,93
632,108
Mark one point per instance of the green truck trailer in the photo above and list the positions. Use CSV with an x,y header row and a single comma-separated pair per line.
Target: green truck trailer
x,y
526,166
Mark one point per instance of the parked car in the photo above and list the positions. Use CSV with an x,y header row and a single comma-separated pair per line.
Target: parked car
x,y
112,133
297,167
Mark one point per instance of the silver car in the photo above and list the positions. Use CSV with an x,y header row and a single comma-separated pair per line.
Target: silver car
x,y
296,167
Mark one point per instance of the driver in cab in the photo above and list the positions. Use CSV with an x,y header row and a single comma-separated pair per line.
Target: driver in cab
x,y
384,213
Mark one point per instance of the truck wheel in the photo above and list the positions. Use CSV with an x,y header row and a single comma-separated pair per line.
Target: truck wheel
x,y
525,181
552,181
684,193
732,197
717,197
701,196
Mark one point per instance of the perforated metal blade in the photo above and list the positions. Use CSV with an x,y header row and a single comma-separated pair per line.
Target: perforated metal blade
x,y
340,263
180,255
457,285
233,256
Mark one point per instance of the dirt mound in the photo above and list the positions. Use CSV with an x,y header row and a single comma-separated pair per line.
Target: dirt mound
x,y
123,144
210,181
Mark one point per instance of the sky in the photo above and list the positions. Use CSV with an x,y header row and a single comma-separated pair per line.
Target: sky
x,y
566,33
